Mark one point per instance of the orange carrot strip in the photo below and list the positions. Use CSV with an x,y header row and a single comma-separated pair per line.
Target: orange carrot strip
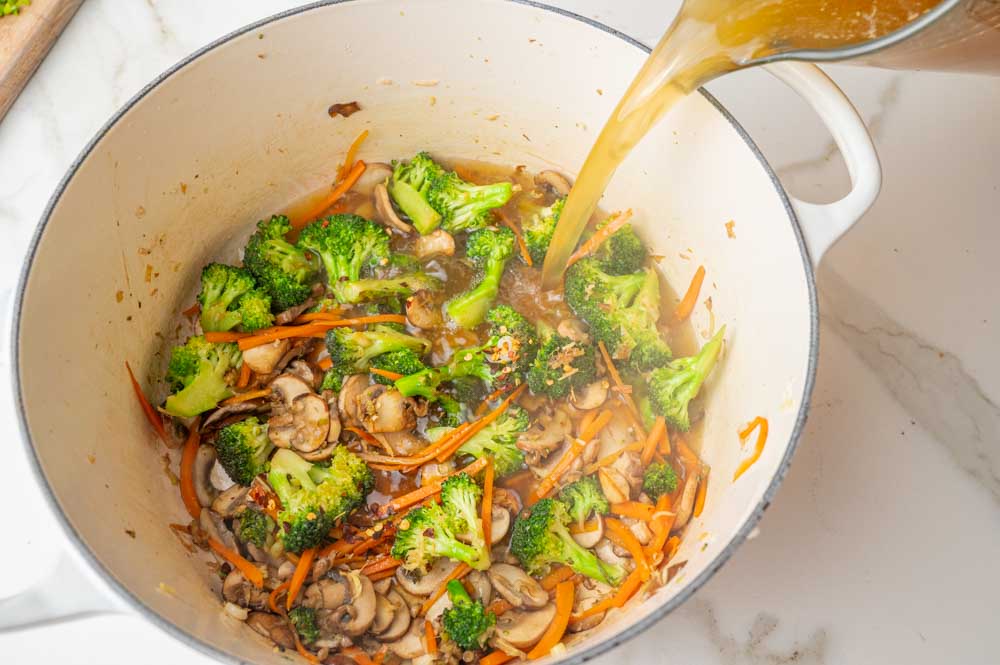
x,y
325,363
619,598
430,639
610,458
188,494
359,656
587,419
425,455
352,153
155,421
478,425
624,395
430,489
299,576
664,448
342,188
223,337
588,527
314,329
565,592
192,310
485,406
309,317
688,456
244,379
655,434
308,655
496,658
364,435
687,303
670,549
576,447
380,565
758,423
272,598
381,575
245,397
663,521
380,655
392,376
602,234
460,571
250,571
488,504
634,509
699,500
560,574
622,536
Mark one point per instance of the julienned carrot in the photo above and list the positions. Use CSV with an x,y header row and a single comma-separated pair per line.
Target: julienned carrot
x,y
663,521
588,527
620,534
339,190
368,438
325,363
610,458
380,655
245,397
272,598
565,592
430,640
488,504
495,395
392,376
460,571
382,575
670,549
602,234
250,571
758,422
188,493
480,424
664,446
496,658
619,598
352,153
637,511
380,565
311,329
687,303
430,489
623,394
244,379
652,439
305,653
425,455
151,414
699,500
576,447
192,310
357,654
560,574
223,337
299,576
310,317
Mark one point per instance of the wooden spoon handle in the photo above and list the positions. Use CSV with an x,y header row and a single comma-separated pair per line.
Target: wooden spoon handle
x,y
25,39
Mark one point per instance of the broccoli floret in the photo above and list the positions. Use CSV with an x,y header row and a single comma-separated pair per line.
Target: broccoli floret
x,y
404,286
409,186
255,526
460,497
347,245
490,250
540,538
538,225
304,620
333,380
283,270
488,363
517,338
403,362
199,374
353,350
425,535
466,623
314,497
464,206
243,448
583,498
498,440
659,479
229,298
622,311
449,411
623,252
673,386
561,365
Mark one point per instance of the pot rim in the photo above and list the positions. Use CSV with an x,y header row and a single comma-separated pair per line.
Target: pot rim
x,y
126,595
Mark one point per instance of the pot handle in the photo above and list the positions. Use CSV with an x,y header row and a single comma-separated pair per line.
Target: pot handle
x,y
823,224
67,593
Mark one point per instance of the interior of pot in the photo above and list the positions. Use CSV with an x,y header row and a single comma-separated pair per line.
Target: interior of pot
x,y
243,129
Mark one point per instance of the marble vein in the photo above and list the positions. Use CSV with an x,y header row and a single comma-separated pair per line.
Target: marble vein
x,y
755,647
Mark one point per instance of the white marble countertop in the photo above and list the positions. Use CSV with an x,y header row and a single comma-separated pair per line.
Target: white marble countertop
x,y
882,545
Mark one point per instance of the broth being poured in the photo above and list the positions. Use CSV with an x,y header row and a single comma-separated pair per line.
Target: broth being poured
x,y
710,38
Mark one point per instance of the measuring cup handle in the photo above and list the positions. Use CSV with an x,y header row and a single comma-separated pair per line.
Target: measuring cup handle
x,y
823,224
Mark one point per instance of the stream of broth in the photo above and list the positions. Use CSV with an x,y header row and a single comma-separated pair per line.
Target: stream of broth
x,y
710,38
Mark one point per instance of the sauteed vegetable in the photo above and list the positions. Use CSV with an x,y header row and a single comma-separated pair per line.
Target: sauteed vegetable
x,y
399,449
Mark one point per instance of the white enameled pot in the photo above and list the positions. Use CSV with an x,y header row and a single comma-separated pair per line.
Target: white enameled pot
x,y
243,124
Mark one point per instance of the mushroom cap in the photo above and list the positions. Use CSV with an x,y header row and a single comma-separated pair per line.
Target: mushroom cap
x,y
400,618
360,611
384,409
500,523
437,243
517,587
411,644
202,475
589,539
426,584
303,426
264,358
272,627
523,628
589,396
347,399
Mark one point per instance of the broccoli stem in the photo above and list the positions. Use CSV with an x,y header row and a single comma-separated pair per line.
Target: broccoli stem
x,y
469,309
424,218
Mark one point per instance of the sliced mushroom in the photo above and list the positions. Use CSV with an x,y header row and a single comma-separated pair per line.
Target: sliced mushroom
x,y
500,523
590,396
605,551
547,433
215,527
686,506
331,400
384,409
482,589
347,400
614,484
588,594
573,329
202,474
556,181
375,173
401,443
517,587
589,539
327,593
224,412
382,586
385,212
304,371
436,243
630,466
523,628
438,608
272,627
424,585
320,454
423,311
264,358
303,426
240,591
288,315
639,529
358,615
231,502
385,612
411,644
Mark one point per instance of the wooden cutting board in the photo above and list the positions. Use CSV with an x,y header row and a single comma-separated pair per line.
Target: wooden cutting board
x,y
25,39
